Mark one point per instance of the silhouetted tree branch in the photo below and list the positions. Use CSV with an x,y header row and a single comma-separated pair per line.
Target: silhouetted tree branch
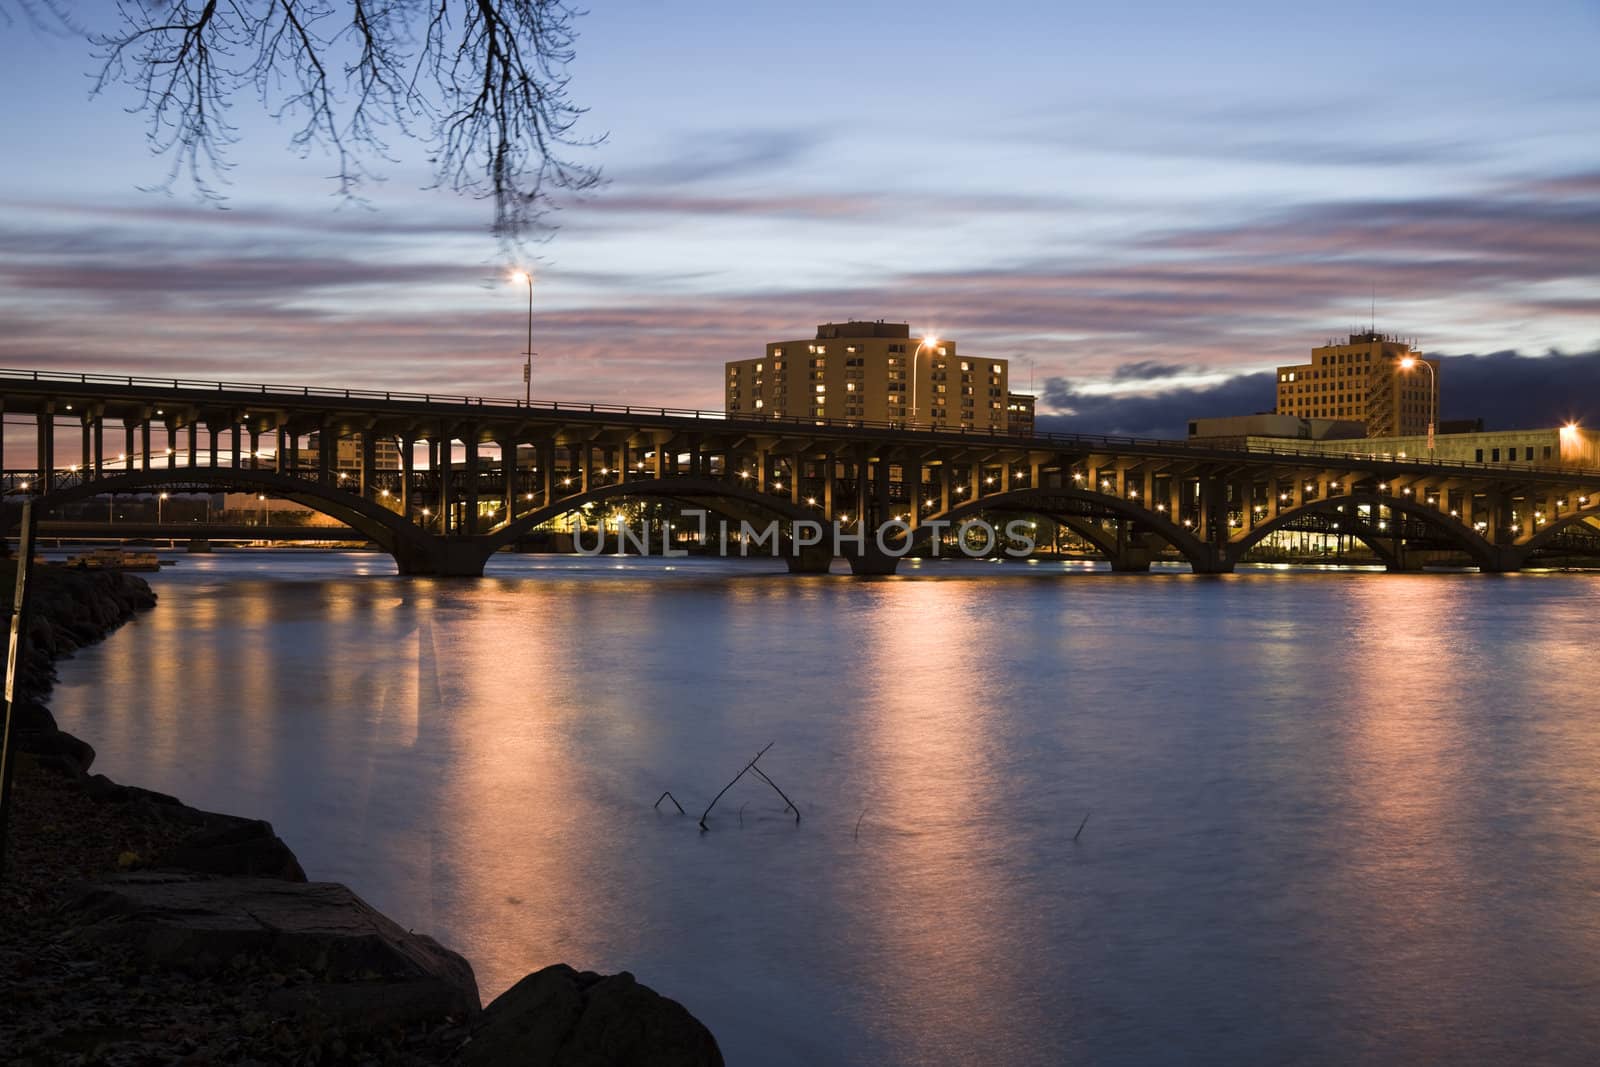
x,y
482,82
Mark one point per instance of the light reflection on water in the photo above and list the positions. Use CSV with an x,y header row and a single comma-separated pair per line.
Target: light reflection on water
x,y
1335,816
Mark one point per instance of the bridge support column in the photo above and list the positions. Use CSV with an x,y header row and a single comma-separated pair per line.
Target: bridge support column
x,y
234,458
408,462
282,460
828,471
144,444
508,476
46,481
369,463
911,475
446,468
212,429
255,448
327,455
194,443
470,498
881,503
547,470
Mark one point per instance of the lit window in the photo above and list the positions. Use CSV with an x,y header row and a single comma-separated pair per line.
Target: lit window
x,y
822,388
758,368
758,403
849,387
965,365
995,369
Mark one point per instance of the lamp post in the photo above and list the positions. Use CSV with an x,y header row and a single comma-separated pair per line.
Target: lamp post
x,y
915,356
1407,363
524,277
162,499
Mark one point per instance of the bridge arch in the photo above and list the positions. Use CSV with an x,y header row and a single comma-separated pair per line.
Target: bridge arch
x,y
1550,531
410,545
1048,503
1485,554
728,498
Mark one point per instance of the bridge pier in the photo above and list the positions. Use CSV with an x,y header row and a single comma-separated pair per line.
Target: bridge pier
x,y
813,559
444,557
871,562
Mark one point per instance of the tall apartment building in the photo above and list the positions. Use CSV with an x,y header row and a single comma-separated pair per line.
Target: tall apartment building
x,y
876,372
1363,380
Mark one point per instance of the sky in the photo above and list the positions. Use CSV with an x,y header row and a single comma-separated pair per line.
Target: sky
x,y
1145,206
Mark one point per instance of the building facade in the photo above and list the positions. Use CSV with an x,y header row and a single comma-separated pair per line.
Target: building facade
x,y
1563,446
1363,380
875,372
1233,431
1019,414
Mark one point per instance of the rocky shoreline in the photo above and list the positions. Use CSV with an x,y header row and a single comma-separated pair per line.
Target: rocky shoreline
x,y
140,930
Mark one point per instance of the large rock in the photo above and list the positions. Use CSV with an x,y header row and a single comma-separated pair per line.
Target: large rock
x,y
362,970
238,847
559,1017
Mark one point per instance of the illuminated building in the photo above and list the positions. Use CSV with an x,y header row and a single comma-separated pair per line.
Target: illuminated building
x,y
878,373
1363,380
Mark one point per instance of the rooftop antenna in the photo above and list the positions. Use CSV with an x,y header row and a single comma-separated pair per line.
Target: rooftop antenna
x,y
1374,316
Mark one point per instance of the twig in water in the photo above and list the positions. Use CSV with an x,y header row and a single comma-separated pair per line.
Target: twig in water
x,y
863,815
781,793
729,786
668,796
1084,823
741,813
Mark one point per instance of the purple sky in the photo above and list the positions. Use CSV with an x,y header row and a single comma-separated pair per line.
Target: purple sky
x,y
1145,199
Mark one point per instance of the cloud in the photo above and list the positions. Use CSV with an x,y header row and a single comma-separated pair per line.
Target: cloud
x,y
721,156
1146,370
1507,390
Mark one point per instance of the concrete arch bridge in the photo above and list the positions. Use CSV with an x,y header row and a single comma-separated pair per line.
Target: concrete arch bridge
x,y
494,470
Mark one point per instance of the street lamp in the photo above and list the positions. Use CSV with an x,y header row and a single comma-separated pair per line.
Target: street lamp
x,y
1406,363
522,277
916,355
159,501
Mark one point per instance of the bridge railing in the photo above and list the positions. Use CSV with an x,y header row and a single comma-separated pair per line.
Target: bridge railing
x,y
1102,442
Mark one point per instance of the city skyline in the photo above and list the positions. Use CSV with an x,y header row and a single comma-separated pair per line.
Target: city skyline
x,y
1129,237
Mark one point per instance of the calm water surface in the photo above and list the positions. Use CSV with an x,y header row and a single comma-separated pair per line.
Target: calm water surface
x,y
1336,817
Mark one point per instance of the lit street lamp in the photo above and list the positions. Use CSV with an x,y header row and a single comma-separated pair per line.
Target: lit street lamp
x,y
1407,363
521,277
159,501
915,356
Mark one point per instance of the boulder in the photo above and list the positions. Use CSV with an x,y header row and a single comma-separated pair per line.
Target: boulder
x,y
240,847
363,971
57,749
559,1017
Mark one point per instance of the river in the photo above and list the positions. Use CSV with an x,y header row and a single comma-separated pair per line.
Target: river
x,y
1335,816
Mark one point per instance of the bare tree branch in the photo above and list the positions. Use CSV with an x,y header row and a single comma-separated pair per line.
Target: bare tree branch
x,y
483,83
